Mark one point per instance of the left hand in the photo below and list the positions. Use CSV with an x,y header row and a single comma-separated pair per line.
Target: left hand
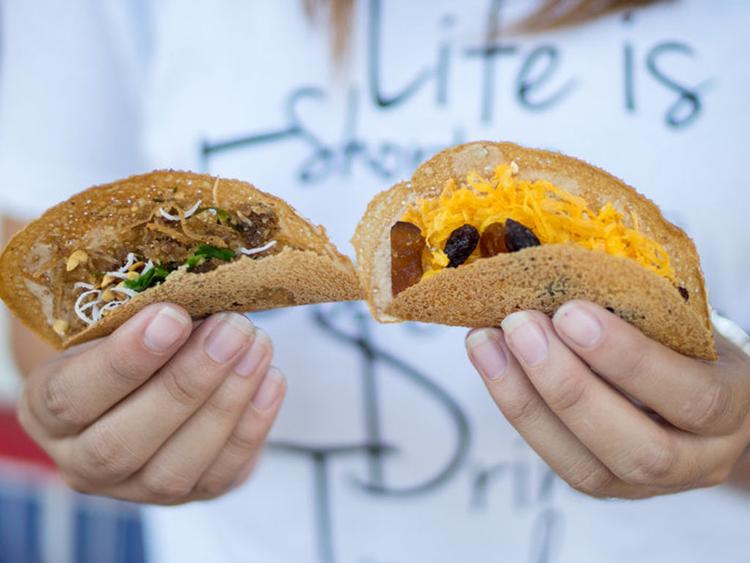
x,y
565,384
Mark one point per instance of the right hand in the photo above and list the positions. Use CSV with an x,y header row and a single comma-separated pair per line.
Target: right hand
x,y
161,411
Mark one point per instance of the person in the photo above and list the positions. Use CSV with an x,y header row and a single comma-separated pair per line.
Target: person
x,y
386,449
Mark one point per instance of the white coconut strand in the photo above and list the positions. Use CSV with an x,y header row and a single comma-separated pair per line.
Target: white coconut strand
x,y
108,307
193,209
79,307
258,250
129,261
169,217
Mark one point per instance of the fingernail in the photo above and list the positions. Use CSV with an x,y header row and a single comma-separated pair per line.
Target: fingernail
x,y
269,391
165,329
578,324
254,356
228,337
487,355
525,337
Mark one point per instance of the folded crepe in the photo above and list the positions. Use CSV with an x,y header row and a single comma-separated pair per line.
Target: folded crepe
x,y
485,229
205,243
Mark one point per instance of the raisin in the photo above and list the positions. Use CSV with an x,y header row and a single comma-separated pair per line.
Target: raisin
x,y
518,236
461,244
685,293
407,244
493,240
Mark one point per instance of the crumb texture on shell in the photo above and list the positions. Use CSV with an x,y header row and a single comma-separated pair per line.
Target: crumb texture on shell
x,y
543,278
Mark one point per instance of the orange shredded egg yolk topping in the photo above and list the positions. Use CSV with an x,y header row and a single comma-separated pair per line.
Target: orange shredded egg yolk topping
x,y
553,214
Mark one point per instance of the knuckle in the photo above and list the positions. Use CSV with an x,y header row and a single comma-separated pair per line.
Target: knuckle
x,y
593,481
212,486
245,439
55,399
718,476
568,393
636,493
522,409
653,465
103,456
710,409
226,404
124,365
164,485
184,388
77,483
637,362
217,480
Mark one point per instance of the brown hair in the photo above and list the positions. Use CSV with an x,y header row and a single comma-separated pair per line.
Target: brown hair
x,y
339,20
549,15
562,13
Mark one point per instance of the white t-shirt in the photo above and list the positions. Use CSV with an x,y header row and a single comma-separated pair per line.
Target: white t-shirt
x,y
388,448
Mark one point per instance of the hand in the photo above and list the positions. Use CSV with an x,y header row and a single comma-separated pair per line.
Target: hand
x,y
157,412
565,384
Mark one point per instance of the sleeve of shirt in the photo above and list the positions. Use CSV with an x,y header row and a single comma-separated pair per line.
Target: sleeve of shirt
x,y
70,77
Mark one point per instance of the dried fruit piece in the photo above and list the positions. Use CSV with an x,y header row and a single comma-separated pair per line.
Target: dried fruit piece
x,y
407,244
493,241
684,292
461,243
518,236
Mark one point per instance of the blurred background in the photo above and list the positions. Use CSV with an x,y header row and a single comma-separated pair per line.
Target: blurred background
x,y
93,91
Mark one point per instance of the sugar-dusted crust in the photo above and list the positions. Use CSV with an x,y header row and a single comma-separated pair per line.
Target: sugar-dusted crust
x,y
542,278
308,270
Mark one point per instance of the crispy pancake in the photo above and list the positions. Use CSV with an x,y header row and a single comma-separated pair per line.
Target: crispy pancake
x,y
204,243
670,308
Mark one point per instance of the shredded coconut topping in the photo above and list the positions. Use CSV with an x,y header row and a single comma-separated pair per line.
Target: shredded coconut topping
x,y
169,217
193,209
259,249
81,308
129,261
90,305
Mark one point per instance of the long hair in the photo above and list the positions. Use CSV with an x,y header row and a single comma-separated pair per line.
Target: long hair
x,y
339,15
553,14
550,14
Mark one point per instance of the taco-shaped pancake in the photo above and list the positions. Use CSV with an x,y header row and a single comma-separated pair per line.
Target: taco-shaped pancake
x,y
205,243
485,229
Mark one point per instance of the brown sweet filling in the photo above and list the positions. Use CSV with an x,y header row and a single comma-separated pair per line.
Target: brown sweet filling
x,y
407,245
477,217
116,263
